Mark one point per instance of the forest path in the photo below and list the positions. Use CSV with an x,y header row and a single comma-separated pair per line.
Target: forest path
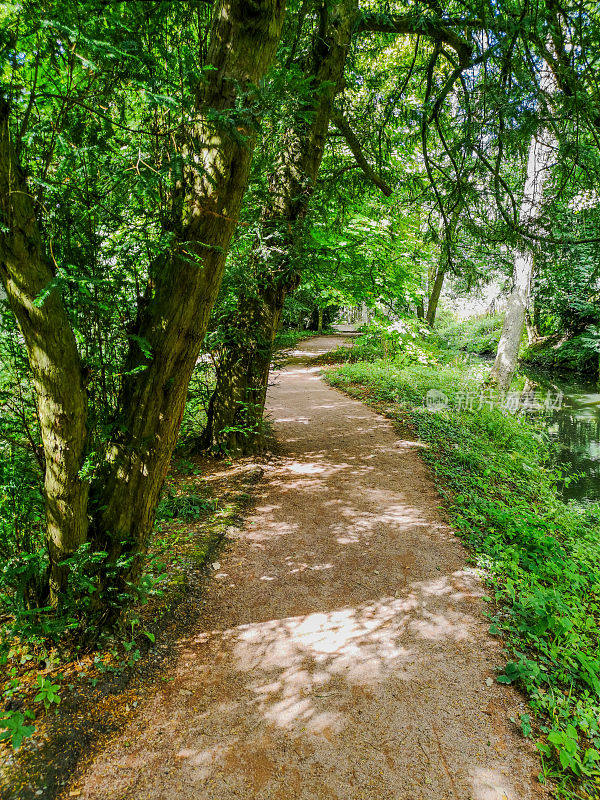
x,y
343,653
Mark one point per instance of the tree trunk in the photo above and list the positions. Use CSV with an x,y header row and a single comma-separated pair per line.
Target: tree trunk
x,y
538,161
444,264
235,412
434,297
514,318
291,189
56,368
236,407
216,144
184,284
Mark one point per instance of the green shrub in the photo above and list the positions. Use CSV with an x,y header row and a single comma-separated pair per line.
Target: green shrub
x,y
578,354
404,340
478,335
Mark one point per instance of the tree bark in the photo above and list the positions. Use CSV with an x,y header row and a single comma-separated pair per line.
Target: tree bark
x,y
514,321
56,369
235,424
432,27
444,264
216,147
505,364
354,144
434,296
184,284
235,412
237,405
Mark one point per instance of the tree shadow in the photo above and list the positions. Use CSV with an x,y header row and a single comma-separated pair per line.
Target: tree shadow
x,y
344,653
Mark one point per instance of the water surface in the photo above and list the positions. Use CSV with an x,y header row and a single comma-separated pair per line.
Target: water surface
x,y
575,430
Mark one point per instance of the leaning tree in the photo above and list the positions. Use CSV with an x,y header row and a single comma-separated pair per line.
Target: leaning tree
x,y
211,142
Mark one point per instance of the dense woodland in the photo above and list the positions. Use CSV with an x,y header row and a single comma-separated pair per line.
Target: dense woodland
x,y
187,187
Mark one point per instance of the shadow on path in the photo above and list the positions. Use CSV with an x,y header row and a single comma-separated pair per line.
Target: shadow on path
x,y
344,652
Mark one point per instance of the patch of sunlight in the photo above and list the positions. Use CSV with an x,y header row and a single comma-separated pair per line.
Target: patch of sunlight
x,y
313,568
490,784
305,469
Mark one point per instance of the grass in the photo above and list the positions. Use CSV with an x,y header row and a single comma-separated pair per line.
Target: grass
x,y
539,555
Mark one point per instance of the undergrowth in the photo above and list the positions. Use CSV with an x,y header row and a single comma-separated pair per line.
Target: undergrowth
x,y
477,335
43,659
539,555
401,340
578,353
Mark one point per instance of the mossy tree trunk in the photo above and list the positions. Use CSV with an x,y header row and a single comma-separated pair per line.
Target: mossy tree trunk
x,y
27,276
217,143
444,264
237,405
434,295
184,285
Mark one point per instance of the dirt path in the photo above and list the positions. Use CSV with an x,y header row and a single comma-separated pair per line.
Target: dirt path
x,y
344,654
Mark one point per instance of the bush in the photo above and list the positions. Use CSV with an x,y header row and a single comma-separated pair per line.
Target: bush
x,y
404,340
577,354
478,335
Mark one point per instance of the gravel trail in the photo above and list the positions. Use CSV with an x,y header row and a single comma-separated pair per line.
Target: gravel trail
x,y
343,653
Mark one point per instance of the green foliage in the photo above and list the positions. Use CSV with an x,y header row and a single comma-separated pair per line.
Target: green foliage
x,y
48,692
185,507
579,353
99,92
401,340
477,335
14,729
540,556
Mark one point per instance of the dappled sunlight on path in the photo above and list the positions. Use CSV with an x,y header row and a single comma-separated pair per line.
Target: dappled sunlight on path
x,y
344,652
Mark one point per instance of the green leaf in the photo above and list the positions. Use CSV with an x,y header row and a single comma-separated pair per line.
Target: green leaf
x,y
14,729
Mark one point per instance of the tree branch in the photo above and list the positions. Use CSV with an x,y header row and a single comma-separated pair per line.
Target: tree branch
x,y
372,22
353,143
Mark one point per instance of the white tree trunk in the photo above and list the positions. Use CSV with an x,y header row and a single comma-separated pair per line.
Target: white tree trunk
x,y
514,320
539,158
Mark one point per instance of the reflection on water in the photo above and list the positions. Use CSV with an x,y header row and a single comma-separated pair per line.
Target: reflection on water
x,y
575,430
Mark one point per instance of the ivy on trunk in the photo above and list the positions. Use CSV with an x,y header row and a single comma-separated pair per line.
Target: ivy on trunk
x,y
217,139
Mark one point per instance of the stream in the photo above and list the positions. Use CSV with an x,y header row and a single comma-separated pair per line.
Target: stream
x,y
575,430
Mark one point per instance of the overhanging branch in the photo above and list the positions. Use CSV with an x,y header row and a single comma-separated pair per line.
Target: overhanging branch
x,y
353,143
409,23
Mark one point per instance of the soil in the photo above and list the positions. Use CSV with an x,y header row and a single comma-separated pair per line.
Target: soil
x,y
342,652
98,689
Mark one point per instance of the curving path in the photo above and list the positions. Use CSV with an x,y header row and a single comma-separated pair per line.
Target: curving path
x,y
343,654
